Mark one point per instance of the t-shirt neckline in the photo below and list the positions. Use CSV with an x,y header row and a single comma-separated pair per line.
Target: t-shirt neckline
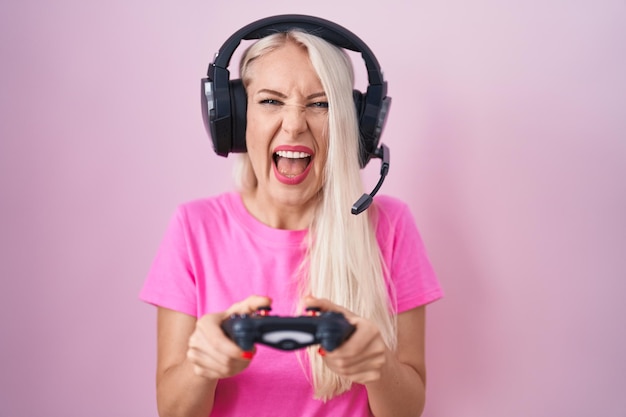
x,y
276,237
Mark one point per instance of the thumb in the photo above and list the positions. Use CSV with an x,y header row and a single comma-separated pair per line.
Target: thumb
x,y
249,305
327,305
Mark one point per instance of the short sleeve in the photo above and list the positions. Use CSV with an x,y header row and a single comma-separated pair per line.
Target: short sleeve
x,y
170,282
408,266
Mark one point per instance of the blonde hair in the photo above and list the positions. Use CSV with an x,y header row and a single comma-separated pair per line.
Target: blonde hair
x,y
343,261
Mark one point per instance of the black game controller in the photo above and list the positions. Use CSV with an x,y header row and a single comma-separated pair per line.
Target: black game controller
x,y
329,329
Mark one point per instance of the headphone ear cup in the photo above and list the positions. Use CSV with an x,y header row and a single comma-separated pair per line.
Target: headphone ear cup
x,y
372,118
366,147
239,106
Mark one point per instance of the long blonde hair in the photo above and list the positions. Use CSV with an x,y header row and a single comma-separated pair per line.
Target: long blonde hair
x,y
343,261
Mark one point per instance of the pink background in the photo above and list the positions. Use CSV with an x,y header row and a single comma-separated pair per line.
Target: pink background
x,y
508,140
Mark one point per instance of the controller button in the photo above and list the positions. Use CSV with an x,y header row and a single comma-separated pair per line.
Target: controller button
x,y
313,311
263,311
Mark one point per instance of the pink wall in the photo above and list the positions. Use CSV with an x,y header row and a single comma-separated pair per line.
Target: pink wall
x,y
508,139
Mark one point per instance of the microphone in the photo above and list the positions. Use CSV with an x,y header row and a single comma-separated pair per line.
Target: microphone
x,y
366,199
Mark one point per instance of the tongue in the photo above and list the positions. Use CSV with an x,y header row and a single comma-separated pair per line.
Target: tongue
x,y
290,167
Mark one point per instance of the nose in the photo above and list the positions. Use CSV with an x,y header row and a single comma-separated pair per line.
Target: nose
x,y
294,120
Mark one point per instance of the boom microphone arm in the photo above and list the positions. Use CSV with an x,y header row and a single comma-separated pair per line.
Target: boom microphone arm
x,y
366,199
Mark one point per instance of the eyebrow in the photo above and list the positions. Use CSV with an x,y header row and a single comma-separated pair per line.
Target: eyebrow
x,y
281,95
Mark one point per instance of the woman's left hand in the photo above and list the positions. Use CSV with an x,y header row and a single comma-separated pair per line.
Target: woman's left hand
x,y
362,357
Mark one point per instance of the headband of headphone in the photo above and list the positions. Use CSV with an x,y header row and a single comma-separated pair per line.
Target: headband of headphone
x,y
224,101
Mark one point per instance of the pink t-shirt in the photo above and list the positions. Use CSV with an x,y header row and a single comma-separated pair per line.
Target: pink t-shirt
x,y
215,253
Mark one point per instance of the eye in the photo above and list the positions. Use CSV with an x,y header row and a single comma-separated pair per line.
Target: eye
x,y
319,105
270,101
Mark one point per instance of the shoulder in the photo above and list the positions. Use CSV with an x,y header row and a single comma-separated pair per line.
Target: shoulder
x,y
389,211
205,216
216,207
394,222
389,203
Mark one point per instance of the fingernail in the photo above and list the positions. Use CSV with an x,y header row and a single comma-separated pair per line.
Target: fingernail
x,y
321,351
247,355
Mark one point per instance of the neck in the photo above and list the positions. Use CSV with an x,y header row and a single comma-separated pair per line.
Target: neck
x,y
278,215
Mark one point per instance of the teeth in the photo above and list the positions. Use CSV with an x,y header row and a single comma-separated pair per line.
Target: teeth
x,y
292,155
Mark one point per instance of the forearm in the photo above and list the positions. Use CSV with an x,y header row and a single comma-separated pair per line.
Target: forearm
x,y
400,391
182,393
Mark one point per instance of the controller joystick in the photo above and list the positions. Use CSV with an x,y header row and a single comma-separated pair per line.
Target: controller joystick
x,y
328,329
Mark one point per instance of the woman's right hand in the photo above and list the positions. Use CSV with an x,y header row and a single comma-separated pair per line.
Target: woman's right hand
x,y
211,352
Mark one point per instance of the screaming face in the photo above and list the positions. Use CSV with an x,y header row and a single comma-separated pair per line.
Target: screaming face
x,y
286,133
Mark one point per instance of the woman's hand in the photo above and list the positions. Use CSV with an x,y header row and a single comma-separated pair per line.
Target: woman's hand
x,y
362,357
211,352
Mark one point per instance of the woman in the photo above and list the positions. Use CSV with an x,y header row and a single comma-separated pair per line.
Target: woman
x,y
286,239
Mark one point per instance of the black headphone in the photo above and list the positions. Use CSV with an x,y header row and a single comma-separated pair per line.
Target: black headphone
x,y
224,101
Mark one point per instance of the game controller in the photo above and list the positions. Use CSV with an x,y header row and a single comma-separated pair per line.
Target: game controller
x,y
328,329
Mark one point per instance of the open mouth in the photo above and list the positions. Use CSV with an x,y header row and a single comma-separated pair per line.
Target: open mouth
x,y
291,163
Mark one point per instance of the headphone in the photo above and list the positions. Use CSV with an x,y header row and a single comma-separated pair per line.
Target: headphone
x,y
224,101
